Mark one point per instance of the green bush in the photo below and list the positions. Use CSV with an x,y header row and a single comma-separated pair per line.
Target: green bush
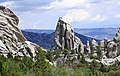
x,y
114,73
25,66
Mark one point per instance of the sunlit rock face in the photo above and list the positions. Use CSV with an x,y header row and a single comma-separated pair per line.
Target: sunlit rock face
x,y
117,36
12,40
117,40
65,38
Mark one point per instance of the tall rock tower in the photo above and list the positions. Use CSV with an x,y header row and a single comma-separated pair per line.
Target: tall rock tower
x,y
65,38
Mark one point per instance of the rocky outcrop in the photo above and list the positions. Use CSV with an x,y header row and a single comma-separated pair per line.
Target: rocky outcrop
x,y
117,40
106,52
117,36
65,38
111,50
12,40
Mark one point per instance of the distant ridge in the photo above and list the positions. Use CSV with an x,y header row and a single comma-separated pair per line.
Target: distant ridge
x,y
97,33
46,40
39,30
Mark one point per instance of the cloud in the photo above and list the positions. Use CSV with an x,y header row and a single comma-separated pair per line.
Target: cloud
x,y
117,16
78,12
119,2
71,4
76,15
99,18
65,4
98,1
7,3
25,5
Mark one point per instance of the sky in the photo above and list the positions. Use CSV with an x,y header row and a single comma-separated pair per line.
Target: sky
x,y
43,14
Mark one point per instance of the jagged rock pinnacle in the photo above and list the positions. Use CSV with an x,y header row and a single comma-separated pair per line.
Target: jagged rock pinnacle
x,y
65,38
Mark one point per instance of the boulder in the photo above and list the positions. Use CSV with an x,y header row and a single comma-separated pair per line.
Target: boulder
x,y
111,49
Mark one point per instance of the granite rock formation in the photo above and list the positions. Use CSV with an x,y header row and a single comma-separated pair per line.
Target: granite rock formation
x,y
65,38
106,52
111,50
117,40
12,40
117,36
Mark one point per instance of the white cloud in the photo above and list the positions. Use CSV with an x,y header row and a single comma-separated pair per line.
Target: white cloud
x,y
76,15
99,18
119,2
7,3
83,11
117,16
66,4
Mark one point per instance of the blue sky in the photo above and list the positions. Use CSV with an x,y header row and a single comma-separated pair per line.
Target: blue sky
x,y
43,14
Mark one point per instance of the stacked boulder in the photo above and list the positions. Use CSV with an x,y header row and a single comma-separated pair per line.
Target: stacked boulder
x,y
12,40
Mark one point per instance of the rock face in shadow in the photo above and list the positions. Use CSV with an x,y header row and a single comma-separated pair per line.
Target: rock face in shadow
x,y
65,38
12,40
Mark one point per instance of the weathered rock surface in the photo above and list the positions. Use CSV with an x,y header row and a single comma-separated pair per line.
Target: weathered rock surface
x,y
117,36
65,38
117,40
106,52
12,40
111,50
